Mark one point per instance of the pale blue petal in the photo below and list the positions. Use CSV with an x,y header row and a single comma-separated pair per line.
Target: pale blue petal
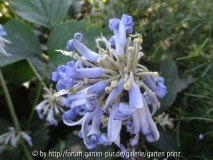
x,y
135,99
89,72
125,109
96,121
150,83
55,76
90,55
86,121
122,34
143,121
112,41
114,95
154,135
119,116
27,138
134,140
14,140
114,126
50,118
136,125
97,88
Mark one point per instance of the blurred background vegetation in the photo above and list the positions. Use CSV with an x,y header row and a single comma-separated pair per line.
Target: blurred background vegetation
x,y
177,42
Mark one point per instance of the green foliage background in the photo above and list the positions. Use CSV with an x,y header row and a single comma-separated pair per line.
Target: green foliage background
x,y
177,42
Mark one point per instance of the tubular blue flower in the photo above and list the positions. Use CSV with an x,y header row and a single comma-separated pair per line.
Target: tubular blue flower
x,y
90,55
120,28
65,75
135,100
160,90
114,25
154,135
95,116
114,95
152,100
113,130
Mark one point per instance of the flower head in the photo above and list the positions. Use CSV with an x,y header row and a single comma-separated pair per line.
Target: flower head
x,y
51,105
97,82
13,137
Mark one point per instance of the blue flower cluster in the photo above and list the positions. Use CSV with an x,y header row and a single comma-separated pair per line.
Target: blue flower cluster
x,y
95,84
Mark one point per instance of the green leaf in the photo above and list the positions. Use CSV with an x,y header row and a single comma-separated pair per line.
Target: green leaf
x,y
59,147
40,135
4,126
170,74
166,143
24,42
62,33
18,72
40,65
183,83
46,13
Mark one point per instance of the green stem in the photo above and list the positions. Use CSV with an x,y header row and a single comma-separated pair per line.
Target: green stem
x,y
36,73
12,112
26,150
37,96
10,104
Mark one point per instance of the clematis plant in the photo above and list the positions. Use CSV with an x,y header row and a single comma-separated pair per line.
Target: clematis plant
x,y
96,83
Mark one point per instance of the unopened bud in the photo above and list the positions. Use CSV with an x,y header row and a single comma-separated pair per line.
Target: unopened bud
x,y
127,86
105,57
114,83
155,74
99,60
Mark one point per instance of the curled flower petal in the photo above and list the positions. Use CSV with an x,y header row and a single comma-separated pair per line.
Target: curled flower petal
x,y
92,142
135,100
86,121
154,135
69,122
90,55
62,68
127,20
79,36
89,72
55,76
134,140
114,23
69,115
114,95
